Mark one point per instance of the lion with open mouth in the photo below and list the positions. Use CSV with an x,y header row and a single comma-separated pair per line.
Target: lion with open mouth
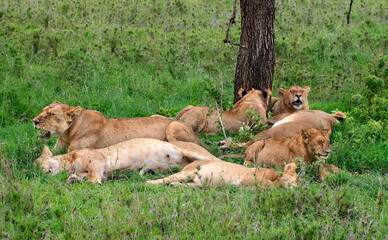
x,y
77,128
291,100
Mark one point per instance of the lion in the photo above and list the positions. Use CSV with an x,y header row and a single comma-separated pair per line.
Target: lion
x,y
200,173
286,125
146,153
309,145
77,128
291,100
205,120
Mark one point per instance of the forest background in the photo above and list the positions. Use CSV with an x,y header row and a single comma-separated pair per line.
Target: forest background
x,y
138,58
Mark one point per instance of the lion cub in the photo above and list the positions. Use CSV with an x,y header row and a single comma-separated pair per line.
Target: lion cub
x,y
308,145
200,173
151,154
291,100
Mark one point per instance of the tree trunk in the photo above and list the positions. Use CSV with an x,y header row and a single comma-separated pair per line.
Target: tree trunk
x,y
256,58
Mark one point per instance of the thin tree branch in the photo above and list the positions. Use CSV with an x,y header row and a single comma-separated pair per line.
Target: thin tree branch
x,y
232,20
220,118
350,10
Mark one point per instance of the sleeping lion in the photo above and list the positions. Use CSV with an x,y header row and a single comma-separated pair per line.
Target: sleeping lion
x,y
146,153
201,173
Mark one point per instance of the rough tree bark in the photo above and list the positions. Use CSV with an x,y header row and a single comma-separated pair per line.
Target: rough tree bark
x,y
256,58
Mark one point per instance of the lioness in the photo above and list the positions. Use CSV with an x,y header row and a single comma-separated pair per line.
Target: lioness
x,y
198,119
77,128
291,100
151,154
286,125
199,173
308,145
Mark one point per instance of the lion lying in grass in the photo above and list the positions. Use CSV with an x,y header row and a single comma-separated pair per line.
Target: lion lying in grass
x,y
286,125
309,145
200,120
201,173
77,128
146,153
291,100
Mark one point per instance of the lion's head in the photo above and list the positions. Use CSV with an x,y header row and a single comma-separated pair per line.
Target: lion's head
x,y
317,142
55,119
48,162
254,95
295,97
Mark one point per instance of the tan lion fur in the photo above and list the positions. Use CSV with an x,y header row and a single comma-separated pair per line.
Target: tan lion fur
x,y
200,120
201,173
291,100
145,153
273,152
308,145
77,128
286,125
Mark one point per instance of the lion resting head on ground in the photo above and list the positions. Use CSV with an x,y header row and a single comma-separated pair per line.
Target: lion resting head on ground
x,y
205,120
77,128
291,100
309,145
146,153
200,173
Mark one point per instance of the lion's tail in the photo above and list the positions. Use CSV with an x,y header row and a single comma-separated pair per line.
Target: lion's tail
x,y
232,156
340,116
180,114
194,156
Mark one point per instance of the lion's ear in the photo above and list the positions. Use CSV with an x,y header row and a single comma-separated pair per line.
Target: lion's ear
x,y
281,91
242,92
267,93
305,134
327,132
307,89
290,167
73,112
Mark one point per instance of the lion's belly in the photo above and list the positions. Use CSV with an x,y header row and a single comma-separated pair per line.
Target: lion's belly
x,y
140,152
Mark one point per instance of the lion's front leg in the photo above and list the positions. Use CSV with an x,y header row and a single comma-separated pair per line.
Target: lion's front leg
x,y
96,171
60,145
74,178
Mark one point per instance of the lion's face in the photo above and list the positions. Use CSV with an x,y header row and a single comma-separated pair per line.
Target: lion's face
x,y
55,119
48,162
318,142
295,97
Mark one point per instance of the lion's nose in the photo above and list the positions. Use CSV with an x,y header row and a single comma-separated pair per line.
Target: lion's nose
x,y
35,121
328,152
298,95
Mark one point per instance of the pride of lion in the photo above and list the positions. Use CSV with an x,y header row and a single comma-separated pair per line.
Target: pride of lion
x,y
99,146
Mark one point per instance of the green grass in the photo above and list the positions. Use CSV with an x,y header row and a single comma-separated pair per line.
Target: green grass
x,y
131,58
